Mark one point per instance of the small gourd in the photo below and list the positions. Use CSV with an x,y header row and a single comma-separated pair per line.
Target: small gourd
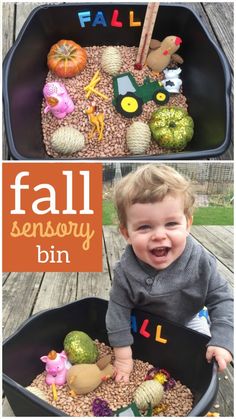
x,y
66,58
138,137
111,61
67,140
149,392
172,127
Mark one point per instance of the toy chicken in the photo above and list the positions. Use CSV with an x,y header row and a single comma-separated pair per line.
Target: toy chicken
x,y
83,378
163,52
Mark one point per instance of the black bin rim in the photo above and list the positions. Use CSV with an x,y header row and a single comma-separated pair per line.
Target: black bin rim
x,y
185,155
202,406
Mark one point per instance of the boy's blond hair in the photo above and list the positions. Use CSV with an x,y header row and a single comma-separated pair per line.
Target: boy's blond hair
x,y
151,183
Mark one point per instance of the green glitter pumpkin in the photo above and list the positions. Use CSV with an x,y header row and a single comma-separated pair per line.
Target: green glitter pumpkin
x,y
80,348
171,127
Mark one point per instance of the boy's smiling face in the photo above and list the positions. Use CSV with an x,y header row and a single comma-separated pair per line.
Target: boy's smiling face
x,y
157,231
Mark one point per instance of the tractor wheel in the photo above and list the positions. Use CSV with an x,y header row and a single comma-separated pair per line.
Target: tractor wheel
x,y
161,96
129,105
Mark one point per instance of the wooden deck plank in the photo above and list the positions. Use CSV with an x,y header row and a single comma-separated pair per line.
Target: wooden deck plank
x,y
115,245
222,251
225,396
223,233
214,17
225,273
6,409
23,11
5,275
218,14
230,229
8,30
96,284
19,294
57,289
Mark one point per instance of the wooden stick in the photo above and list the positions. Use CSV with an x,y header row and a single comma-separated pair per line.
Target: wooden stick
x,y
97,93
95,79
96,75
148,26
92,84
88,94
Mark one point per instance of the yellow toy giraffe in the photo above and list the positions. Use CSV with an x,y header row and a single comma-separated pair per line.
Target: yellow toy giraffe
x,y
96,120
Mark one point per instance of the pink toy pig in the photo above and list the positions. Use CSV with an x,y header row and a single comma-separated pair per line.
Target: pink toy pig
x,y
57,99
55,367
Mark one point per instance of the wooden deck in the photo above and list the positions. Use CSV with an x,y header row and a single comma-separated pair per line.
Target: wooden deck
x,y
25,294
217,18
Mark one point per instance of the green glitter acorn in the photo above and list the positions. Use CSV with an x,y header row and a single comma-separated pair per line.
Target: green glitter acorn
x,y
80,348
172,127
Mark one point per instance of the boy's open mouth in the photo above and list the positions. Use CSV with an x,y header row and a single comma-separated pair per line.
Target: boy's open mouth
x,y
160,251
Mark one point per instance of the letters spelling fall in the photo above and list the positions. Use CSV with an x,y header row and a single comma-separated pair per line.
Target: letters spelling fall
x,y
88,18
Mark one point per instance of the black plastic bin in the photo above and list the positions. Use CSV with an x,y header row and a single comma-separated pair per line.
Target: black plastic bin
x,y
206,73
183,355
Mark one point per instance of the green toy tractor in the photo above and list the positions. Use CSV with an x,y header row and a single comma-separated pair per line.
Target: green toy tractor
x,y
130,97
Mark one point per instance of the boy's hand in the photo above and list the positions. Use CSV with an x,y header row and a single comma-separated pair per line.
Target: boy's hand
x,y
222,356
123,363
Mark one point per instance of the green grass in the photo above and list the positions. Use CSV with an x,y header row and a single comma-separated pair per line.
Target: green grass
x,y
214,216
202,216
108,213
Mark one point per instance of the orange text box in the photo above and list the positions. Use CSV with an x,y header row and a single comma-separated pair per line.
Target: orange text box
x,y
52,217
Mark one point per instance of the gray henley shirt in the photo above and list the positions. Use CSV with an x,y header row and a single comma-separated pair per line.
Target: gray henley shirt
x,y
176,293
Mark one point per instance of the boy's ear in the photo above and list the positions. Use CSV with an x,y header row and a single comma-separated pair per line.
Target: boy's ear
x,y
189,223
124,233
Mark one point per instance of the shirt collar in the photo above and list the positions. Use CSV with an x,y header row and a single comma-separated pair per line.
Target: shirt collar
x,y
182,260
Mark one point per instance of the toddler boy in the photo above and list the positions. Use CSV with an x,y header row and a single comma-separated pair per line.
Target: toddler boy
x,y
163,270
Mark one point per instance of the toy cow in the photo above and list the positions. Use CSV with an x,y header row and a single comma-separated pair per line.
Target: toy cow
x,y
56,367
172,82
57,99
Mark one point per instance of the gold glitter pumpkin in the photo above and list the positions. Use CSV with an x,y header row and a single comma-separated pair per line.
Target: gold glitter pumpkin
x,y
172,127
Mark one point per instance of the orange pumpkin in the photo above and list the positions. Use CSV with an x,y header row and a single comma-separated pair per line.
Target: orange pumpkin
x,y
66,58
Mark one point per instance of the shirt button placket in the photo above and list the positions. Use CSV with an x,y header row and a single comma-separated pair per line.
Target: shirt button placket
x,y
149,282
